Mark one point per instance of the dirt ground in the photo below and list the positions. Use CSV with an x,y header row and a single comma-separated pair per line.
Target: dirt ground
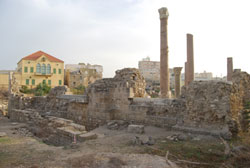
x,y
115,149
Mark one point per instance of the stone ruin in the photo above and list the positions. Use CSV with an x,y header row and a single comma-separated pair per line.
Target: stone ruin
x,y
214,108
3,102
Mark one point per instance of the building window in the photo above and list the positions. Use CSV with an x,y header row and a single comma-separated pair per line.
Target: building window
x,y
33,82
43,69
27,81
49,82
59,71
54,70
38,68
25,69
44,82
48,69
60,82
31,69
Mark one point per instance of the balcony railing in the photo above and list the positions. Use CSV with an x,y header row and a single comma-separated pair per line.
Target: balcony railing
x,y
43,74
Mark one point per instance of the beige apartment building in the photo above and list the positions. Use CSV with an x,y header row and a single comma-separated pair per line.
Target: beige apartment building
x,y
82,74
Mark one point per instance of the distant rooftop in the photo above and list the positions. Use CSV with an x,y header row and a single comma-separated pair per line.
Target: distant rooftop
x,y
38,54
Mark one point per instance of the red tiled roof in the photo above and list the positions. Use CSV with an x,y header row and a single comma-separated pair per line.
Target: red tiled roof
x,y
38,54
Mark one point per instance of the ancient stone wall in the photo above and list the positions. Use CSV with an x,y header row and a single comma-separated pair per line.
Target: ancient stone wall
x,y
158,112
205,107
208,107
3,102
241,82
57,104
108,98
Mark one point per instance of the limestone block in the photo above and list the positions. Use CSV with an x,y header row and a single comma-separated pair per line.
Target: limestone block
x,y
117,124
67,131
86,136
2,134
138,129
78,127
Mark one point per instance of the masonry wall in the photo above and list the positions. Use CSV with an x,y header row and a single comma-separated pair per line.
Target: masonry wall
x,y
158,112
4,81
205,107
71,107
241,82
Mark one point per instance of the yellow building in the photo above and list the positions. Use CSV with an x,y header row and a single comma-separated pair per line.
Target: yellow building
x,y
4,80
41,67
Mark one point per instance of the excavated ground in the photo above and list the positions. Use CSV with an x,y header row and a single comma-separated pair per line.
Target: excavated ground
x,y
116,149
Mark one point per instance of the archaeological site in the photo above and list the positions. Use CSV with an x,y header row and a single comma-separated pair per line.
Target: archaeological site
x,y
116,124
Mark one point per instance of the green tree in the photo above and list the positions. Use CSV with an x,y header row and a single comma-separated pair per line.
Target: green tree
x,y
42,89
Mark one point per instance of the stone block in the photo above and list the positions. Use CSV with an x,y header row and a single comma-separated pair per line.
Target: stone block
x,y
67,131
78,127
86,136
2,134
138,129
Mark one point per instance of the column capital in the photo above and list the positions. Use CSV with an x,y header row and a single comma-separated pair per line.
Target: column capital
x,y
177,70
189,35
163,13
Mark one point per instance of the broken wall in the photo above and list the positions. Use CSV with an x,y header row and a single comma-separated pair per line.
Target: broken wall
x,y
57,104
108,98
205,107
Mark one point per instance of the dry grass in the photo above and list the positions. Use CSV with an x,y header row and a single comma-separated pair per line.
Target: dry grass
x,y
210,153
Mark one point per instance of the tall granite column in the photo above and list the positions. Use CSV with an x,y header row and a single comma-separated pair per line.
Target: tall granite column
x,y
229,68
190,58
186,72
177,77
164,71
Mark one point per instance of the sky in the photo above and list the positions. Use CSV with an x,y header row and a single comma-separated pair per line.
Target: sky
x,y
118,33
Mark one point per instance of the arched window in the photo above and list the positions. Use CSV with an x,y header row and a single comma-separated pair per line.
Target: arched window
x,y
48,69
38,68
43,69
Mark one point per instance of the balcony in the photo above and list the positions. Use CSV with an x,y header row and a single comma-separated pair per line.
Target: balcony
x,y
43,74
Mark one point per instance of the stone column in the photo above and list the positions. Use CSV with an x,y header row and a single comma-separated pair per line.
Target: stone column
x,y
186,72
229,68
10,81
190,59
164,71
177,77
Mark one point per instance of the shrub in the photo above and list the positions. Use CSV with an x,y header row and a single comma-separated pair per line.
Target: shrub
x,y
25,90
41,90
79,90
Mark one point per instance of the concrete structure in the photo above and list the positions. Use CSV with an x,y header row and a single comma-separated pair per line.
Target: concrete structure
x,y
190,59
203,76
150,70
177,76
229,68
40,67
82,74
76,67
4,80
82,77
164,71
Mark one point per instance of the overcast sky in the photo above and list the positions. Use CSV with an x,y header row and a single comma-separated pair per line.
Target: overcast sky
x,y
119,33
